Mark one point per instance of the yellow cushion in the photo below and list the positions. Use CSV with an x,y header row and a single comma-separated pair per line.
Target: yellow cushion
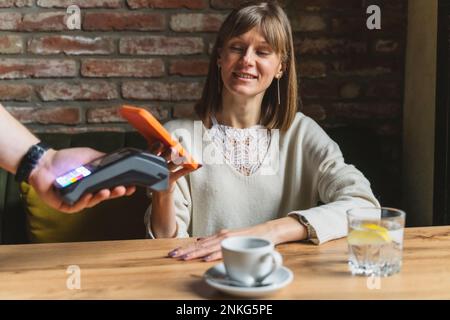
x,y
115,219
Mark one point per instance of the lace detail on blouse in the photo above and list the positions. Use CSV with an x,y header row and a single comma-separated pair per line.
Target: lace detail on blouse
x,y
243,149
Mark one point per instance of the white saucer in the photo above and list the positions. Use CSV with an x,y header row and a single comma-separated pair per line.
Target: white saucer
x,y
279,279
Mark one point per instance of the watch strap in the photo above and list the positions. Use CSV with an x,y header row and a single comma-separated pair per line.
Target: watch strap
x,y
29,161
311,232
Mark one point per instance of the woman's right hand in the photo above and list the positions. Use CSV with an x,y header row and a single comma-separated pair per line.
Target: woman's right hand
x,y
174,164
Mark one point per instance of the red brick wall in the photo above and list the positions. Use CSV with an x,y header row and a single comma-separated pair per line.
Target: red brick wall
x,y
154,53
149,53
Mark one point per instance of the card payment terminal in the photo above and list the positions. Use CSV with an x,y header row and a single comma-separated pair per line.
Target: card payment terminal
x,y
126,167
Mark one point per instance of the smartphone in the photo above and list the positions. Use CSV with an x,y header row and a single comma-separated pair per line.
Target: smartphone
x,y
153,130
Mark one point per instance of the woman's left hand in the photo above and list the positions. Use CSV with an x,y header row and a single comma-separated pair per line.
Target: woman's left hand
x,y
209,248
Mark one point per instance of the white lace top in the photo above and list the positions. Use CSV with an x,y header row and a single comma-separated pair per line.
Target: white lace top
x,y
243,149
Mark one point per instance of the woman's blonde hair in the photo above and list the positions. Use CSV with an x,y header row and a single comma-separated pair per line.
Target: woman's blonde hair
x,y
272,21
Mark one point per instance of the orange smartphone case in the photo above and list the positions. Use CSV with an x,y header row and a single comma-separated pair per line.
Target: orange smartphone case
x,y
152,130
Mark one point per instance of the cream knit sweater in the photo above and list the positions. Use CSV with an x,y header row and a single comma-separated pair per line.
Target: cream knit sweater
x,y
302,167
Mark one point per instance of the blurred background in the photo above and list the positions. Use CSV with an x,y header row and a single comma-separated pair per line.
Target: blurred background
x,y
373,91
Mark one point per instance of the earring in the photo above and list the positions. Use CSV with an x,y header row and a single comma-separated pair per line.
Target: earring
x,y
219,87
278,89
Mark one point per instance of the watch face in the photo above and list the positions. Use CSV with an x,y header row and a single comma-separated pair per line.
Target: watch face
x,y
72,176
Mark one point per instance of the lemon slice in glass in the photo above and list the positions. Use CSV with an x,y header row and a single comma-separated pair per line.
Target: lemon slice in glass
x,y
369,233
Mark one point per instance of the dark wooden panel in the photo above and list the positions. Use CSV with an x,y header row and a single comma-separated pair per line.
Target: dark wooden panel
x,y
441,214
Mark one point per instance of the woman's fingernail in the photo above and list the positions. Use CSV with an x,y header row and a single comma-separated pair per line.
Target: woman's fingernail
x,y
173,253
185,256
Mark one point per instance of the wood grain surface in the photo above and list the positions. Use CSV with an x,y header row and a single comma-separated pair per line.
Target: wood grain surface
x,y
140,269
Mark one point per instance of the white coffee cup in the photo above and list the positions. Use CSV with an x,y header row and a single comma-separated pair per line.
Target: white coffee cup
x,y
250,260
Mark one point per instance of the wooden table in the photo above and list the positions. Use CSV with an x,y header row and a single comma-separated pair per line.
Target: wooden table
x,y
139,269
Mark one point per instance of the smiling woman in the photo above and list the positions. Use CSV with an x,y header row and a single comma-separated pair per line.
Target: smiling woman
x,y
275,164
248,66
255,42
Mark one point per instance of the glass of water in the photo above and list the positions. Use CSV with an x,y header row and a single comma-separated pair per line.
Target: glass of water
x,y
375,241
